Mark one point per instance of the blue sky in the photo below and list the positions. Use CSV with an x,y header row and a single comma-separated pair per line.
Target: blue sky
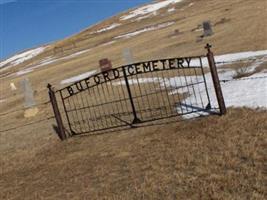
x,y
29,23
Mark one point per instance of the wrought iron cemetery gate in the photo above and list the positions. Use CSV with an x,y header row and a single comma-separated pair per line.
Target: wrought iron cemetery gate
x,y
134,94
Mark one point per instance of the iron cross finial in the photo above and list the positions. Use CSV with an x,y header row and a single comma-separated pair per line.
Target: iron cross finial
x,y
208,47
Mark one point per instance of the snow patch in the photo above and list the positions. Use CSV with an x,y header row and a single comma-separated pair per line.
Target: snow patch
x,y
232,57
140,80
191,4
171,10
239,56
107,43
147,9
2,100
245,92
110,27
250,92
151,28
78,77
22,57
47,61
145,16
25,71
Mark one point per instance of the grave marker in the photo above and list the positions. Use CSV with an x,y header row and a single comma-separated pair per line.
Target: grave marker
x,y
207,28
13,86
105,65
29,104
29,101
127,56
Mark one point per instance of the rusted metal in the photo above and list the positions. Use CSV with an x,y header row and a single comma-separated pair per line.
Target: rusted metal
x,y
60,127
216,80
136,119
137,93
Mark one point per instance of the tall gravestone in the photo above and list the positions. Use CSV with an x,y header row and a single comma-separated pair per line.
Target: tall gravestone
x,y
29,102
207,28
127,56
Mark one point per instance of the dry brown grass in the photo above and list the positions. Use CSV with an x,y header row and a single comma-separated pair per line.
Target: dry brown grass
x,y
208,158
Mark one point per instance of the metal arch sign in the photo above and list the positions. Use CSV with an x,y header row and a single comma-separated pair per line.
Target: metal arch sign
x,y
129,70
109,100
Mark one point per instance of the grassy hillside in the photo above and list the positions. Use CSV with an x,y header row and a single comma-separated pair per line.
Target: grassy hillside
x,y
208,158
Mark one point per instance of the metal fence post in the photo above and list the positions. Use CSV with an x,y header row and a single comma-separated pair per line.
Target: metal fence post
x,y
136,119
53,100
216,81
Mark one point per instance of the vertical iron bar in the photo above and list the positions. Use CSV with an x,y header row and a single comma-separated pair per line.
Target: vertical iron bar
x,y
177,87
216,81
148,107
157,97
124,102
92,110
100,109
206,86
135,120
61,130
162,95
193,88
84,109
66,113
199,90
166,90
76,108
105,107
115,99
188,90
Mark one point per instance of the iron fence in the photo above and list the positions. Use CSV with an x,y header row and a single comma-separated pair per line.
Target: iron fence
x,y
132,95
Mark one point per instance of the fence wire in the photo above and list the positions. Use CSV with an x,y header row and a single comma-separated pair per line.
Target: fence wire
x,y
52,117
243,79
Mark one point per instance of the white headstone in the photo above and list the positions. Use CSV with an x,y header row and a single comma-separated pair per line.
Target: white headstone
x,y
127,56
28,93
13,86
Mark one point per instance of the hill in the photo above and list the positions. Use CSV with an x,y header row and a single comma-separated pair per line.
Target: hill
x,y
205,158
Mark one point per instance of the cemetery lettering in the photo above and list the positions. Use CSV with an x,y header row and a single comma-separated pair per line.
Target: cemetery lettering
x,y
129,70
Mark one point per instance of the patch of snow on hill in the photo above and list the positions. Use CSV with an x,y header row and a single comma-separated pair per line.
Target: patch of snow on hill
x,y
112,26
107,43
171,9
239,56
151,28
25,71
147,9
2,100
191,4
22,57
139,81
250,92
78,77
232,57
49,60
145,16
